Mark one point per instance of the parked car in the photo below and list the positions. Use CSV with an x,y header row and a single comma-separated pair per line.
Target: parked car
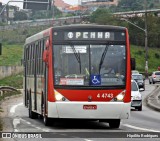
x,y
155,77
136,97
139,79
135,72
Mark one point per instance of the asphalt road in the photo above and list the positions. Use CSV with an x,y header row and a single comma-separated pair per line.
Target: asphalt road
x,y
144,122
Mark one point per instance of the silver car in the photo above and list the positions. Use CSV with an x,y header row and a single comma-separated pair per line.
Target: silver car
x,y
155,77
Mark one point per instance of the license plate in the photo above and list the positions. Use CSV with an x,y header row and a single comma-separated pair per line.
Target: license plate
x,y
89,107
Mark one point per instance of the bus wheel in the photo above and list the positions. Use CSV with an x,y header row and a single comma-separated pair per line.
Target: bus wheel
x,y
114,123
46,120
32,114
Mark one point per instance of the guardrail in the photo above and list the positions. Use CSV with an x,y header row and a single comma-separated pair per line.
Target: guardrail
x,y
153,100
3,89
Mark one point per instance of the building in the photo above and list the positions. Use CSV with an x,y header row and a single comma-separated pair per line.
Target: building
x,y
94,4
61,5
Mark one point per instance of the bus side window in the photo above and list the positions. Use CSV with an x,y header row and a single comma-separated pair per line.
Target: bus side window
x,y
33,59
40,58
43,64
29,60
37,58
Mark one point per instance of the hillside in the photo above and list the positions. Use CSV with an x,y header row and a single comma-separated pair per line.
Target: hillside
x,y
11,55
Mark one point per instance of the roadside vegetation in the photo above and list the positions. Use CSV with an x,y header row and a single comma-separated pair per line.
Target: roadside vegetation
x,y
11,55
138,53
15,81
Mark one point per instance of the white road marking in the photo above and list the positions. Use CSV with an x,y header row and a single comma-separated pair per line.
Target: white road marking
x,y
88,140
16,121
13,108
39,128
139,128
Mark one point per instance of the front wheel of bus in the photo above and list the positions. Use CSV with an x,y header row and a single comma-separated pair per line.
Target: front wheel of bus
x,y
46,120
114,123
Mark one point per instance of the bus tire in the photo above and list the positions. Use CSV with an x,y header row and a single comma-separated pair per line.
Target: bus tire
x,y
32,114
46,120
115,123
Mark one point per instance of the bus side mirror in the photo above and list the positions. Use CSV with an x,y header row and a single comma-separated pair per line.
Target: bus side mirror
x,y
45,56
46,52
0,49
133,64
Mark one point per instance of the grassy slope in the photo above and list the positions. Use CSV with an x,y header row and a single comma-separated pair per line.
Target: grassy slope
x,y
11,55
15,81
139,54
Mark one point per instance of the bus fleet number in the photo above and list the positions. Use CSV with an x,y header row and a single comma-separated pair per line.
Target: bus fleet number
x,y
105,95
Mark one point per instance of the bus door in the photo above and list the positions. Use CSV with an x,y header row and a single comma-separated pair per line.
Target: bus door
x,y
45,68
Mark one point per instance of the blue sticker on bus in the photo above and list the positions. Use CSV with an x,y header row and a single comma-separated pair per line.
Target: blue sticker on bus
x,y
95,79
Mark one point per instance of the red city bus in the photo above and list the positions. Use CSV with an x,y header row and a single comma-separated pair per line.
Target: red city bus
x,y
78,72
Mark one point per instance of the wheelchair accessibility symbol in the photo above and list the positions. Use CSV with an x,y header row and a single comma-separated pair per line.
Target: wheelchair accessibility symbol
x,y
95,79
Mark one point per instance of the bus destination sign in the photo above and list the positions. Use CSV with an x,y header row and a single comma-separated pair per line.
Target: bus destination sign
x,y
89,35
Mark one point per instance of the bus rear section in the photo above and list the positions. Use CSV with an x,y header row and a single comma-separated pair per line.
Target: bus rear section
x,y
88,74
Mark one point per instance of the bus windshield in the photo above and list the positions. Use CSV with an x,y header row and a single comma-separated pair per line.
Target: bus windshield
x,y
89,65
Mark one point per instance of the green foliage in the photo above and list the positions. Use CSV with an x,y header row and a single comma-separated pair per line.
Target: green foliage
x,y
15,81
20,34
137,36
19,16
153,62
102,16
11,54
46,14
157,55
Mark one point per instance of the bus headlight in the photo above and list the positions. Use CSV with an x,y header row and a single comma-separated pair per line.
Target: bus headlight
x,y
59,97
120,97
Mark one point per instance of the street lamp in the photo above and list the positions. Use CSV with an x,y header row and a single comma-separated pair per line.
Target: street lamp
x,y
146,41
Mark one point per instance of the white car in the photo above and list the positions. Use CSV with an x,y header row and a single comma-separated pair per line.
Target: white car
x,y
136,97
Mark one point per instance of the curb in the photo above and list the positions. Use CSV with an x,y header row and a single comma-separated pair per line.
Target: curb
x,y
152,99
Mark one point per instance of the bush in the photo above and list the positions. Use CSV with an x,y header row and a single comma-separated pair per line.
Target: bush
x,y
139,52
157,55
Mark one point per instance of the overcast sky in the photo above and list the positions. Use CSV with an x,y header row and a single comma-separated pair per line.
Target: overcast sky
x,y
19,4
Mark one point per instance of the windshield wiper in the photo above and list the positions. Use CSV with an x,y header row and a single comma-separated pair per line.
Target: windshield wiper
x,y
102,58
78,57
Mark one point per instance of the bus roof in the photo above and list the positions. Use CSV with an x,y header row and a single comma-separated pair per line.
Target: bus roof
x,y
89,26
38,36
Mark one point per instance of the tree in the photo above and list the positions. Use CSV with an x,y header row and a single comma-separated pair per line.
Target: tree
x,y
103,16
19,16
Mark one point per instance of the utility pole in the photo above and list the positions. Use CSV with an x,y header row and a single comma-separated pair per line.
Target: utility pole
x,y
146,37
53,14
146,41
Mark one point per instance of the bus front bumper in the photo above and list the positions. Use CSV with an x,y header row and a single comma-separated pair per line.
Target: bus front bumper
x,y
101,110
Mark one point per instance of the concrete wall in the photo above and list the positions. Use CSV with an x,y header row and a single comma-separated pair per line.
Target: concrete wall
x,y
9,70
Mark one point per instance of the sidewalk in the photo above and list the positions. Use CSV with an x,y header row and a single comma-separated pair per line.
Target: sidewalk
x,y
153,100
